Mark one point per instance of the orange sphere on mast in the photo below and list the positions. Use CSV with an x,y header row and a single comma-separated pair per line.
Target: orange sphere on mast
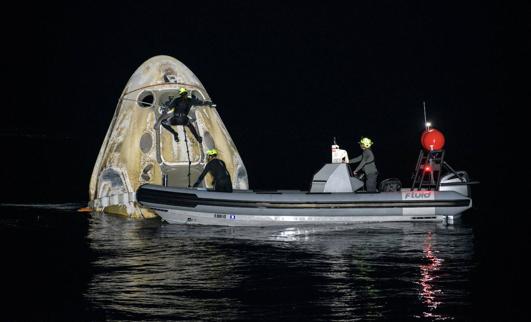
x,y
432,139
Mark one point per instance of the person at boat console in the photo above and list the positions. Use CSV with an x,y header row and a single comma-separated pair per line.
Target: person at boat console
x,y
366,164
218,170
180,106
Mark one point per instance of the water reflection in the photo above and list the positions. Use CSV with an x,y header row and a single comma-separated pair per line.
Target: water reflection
x,y
150,271
428,273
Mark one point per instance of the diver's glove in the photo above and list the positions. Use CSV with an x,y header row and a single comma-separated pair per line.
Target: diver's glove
x,y
164,109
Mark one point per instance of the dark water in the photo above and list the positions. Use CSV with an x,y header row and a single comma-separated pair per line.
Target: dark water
x,y
63,265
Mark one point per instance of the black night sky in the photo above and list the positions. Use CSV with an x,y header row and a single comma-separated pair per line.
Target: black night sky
x,y
286,78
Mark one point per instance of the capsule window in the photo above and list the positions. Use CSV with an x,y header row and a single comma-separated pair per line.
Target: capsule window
x,y
146,99
197,94
146,142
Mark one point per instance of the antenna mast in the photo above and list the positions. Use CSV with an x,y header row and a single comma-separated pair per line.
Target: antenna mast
x,y
425,118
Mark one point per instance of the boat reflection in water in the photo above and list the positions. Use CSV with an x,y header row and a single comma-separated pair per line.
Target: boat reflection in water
x,y
146,270
428,273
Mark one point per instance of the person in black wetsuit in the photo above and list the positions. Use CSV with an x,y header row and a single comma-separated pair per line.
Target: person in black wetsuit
x,y
181,107
217,168
366,164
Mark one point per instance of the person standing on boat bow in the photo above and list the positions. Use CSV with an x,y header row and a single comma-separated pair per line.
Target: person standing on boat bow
x,y
180,107
366,164
218,170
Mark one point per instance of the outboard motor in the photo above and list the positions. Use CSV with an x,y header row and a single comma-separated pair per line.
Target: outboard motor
x,y
456,181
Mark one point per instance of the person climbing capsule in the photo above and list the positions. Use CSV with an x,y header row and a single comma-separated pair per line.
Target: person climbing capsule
x,y
180,106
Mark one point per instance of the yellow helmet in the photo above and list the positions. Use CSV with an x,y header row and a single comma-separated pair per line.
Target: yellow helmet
x,y
366,142
212,152
182,91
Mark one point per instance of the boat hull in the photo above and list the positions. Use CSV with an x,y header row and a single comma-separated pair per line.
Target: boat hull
x,y
250,208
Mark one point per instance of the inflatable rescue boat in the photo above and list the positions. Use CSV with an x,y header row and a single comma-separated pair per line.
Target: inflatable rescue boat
x,y
335,197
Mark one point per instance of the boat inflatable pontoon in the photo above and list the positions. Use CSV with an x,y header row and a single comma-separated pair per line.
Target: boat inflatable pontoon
x,y
332,199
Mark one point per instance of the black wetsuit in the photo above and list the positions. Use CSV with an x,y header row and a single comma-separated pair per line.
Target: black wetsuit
x,y
181,107
367,165
217,168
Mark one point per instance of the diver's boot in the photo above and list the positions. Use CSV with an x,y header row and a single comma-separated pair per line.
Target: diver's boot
x,y
195,134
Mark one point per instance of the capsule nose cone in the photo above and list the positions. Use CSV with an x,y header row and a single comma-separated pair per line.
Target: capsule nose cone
x,y
160,70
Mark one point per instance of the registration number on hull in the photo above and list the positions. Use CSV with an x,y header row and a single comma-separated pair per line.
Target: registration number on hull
x,y
224,216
